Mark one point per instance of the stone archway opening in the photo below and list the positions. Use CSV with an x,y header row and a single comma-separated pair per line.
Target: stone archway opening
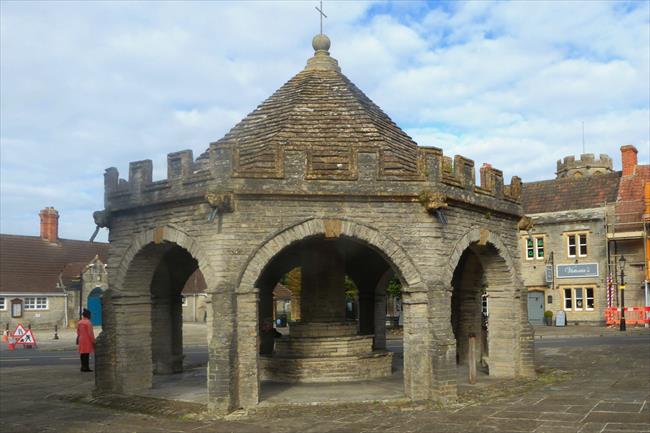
x,y
337,331
149,307
174,268
482,307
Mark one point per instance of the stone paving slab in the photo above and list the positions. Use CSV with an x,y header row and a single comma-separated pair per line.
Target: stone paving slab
x,y
575,399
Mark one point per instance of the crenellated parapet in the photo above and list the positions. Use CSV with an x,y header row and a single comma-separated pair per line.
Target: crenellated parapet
x,y
214,173
586,165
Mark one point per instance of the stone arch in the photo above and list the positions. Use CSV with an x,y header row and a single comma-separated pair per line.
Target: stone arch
x,y
415,362
496,265
384,244
481,236
157,235
144,308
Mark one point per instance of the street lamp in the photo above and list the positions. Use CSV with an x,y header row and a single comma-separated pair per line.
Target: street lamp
x,y
621,264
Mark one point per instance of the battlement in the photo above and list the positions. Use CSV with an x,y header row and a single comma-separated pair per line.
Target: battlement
x,y
587,165
187,178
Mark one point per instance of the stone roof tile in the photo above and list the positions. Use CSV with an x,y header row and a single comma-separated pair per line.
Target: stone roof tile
x,y
320,111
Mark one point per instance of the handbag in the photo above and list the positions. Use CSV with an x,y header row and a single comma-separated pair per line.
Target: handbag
x,y
77,342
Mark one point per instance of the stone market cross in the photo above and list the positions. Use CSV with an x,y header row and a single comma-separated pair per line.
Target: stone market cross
x,y
316,178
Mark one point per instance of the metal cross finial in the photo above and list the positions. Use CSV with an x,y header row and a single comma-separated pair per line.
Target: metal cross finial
x,y
322,14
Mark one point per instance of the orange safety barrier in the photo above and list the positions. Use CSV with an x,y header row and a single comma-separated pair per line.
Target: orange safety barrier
x,y
633,315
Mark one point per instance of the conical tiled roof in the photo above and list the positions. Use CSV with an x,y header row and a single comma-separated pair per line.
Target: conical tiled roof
x,y
319,111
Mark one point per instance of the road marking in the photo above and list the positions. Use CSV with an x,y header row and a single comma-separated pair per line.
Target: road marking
x,y
73,357
14,359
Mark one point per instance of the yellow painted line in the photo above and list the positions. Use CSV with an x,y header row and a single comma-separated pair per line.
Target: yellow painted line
x,y
14,359
74,357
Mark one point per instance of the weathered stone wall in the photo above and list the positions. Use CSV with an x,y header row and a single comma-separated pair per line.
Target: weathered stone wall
x,y
245,222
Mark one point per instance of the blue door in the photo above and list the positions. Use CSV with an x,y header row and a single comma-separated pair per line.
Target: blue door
x,y
536,308
95,306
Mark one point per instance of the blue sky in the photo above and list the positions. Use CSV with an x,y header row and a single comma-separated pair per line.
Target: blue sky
x,y
89,85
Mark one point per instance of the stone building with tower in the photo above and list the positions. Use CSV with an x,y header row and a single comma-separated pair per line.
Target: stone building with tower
x,y
318,178
582,223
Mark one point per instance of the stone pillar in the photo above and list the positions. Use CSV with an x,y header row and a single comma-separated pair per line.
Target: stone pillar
x,y
221,352
166,324
266,318
105,381
176,320
526,364
322,283
247,349
443,352
366,310
379,342
133,370
501,332
293,284
161,331
417,345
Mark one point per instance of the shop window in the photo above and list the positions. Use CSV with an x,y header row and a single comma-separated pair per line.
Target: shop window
x,y
579,298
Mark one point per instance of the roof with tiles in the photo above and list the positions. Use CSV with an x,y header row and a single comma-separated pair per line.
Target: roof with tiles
x,y
29,264
569,193
630,205
322,112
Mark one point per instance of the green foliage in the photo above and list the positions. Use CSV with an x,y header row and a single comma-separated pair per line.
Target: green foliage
x,y
351,290
548,313
394,287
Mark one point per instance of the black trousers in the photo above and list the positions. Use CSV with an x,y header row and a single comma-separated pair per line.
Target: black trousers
x,y
85,361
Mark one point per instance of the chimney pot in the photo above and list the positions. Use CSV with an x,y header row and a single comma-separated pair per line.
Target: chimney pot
x,y
49,224
629,159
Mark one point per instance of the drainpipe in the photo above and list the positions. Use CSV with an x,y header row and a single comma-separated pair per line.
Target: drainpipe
x,y
65,315
81,293
647,314
194,308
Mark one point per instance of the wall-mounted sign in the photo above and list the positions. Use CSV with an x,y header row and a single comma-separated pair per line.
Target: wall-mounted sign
x,y
582,270
17,307
548,273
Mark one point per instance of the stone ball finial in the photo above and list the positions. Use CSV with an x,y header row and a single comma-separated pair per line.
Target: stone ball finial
x,y
320,43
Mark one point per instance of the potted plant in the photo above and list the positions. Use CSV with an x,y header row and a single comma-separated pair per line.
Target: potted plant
x,y
548,318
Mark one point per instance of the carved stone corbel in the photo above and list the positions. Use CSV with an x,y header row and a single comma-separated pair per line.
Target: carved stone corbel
x,y
220,202
432,201
525,223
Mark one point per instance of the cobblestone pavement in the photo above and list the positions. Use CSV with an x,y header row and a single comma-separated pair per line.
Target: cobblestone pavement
x,y
586,385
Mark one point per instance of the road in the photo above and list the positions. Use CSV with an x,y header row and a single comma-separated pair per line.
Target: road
x,y
603,387
197,355
194,355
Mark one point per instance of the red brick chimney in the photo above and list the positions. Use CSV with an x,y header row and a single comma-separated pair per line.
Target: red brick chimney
x,y
49,224
629,159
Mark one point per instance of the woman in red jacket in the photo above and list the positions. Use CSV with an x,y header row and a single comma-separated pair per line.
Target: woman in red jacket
x,y
85,340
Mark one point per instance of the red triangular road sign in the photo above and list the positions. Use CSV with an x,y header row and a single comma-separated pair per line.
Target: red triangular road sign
x,y
20,330
27,338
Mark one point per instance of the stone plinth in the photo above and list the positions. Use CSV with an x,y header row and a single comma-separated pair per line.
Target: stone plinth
x,y
325,352
322,329
373,365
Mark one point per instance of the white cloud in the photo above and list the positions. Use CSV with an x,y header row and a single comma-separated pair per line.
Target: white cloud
x,y
96,84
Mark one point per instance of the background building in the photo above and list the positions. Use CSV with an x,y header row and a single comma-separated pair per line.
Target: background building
x,y
45,280
582,223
